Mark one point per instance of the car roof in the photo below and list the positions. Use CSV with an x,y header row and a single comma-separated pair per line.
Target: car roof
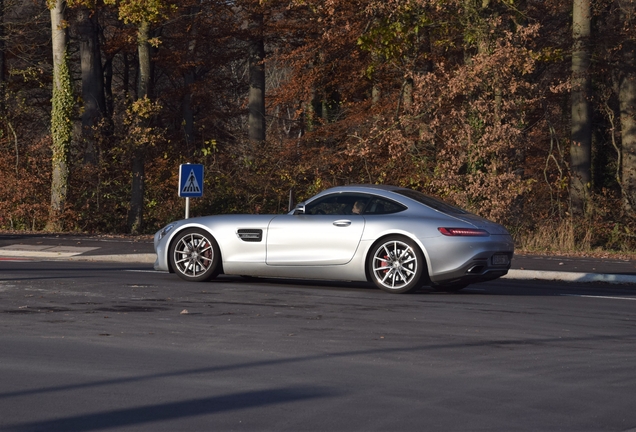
x,y
386,191
362,187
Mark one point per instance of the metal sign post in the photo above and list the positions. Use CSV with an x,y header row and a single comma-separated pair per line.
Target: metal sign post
x,y
190,183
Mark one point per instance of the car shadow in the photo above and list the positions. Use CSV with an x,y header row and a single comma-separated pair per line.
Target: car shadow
x,y
503,287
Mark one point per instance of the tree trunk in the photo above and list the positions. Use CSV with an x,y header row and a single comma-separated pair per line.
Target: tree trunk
x,y
187,112
581,145
316,107
407,94
627,100
376,93
143,51
108,87
135,217
92,80
61,122
189,79
126,77
2,60
256,120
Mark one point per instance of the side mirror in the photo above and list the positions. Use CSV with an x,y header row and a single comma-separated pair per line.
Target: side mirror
x,y
299,209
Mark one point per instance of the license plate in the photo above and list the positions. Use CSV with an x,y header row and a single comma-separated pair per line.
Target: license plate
x,y
500,260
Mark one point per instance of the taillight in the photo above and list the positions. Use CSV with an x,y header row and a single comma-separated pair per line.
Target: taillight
x,y
464,232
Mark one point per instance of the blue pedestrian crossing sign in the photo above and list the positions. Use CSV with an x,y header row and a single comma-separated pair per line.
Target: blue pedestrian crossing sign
x,y
190,180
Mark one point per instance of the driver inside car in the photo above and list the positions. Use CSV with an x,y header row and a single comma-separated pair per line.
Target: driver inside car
x,y
358,207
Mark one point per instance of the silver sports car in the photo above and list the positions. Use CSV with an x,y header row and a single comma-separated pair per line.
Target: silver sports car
x,y
397,238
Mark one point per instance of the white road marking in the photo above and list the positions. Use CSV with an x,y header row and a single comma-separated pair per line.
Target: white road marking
x,y
601,297
146,271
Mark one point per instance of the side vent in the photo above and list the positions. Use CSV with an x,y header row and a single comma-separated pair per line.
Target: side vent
x,y
250,235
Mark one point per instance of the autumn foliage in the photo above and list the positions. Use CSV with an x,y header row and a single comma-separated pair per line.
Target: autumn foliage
x,y
464,99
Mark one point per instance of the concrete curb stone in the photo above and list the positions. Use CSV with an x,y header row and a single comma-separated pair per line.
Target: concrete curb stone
x,y
570,276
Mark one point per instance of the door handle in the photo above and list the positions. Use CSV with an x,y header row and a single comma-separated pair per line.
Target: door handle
x,y
342,223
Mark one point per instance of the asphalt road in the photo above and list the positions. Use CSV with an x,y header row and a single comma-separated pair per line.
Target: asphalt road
x,y
98,346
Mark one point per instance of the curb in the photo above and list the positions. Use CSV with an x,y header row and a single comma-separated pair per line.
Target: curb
x,y
73,256
570,276
123,258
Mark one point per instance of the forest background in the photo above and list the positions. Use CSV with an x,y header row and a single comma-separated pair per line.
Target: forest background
x,y
521,111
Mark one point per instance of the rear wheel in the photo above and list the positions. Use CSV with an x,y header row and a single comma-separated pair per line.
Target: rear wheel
x,y
396,264
194,255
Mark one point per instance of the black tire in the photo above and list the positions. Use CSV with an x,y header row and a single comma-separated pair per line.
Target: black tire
x,y
194,255
396,264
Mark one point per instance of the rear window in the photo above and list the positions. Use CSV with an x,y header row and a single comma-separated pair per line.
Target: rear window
x,y
431,202
381,206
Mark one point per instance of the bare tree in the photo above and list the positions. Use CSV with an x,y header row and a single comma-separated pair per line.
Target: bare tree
x,y
189,79
2,58
135,216
581,135
61,124
92,79
256,96
627,100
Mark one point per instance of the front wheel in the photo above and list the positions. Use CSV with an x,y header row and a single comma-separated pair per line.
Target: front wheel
x,y
195,256
396,264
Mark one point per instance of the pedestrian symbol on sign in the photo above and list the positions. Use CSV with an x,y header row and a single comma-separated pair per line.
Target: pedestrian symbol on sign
x,y
191,185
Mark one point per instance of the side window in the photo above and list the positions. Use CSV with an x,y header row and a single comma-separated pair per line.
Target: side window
x,y
338,204
380,206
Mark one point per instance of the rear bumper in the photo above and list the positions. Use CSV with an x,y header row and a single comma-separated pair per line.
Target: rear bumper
x,y
478,269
